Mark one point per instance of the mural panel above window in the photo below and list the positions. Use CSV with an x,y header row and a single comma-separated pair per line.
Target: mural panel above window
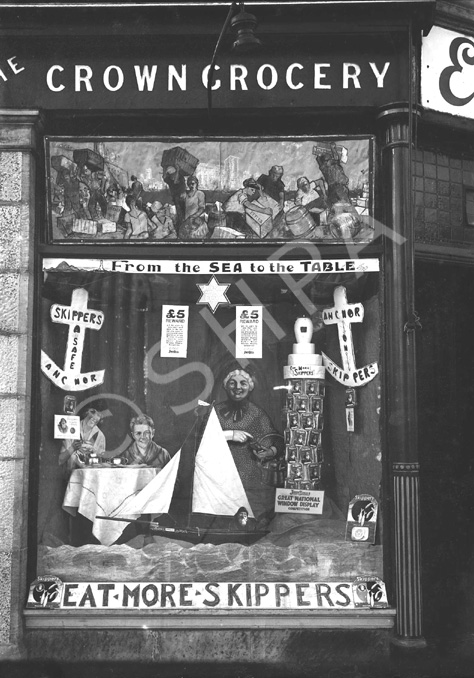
x,y
179,190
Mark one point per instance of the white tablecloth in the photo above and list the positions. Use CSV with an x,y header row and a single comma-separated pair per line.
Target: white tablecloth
x,y
100,492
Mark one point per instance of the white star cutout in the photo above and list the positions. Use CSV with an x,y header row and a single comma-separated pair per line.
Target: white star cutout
x,y
213,293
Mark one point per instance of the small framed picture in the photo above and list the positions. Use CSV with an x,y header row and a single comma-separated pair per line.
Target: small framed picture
x,y
69,406
316,404
314,472
306,421
318,421
296,386
350,421
312,387
300,437
292,454
292,420
306,455
295,437
295,472
317,453
351,397
314,438
301,403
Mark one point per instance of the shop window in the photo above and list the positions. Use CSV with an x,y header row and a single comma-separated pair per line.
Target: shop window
x,y
207,420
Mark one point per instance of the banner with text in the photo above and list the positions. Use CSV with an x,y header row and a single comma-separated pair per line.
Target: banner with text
x,y
187,267
50,592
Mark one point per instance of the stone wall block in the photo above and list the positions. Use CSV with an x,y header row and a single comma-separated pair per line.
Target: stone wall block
x,y
8,428
9,298
6,505
455,175
9,351
10,176
430,171
5,595
14,428
10,237
23,382
430,186
17,135
26,240
443,188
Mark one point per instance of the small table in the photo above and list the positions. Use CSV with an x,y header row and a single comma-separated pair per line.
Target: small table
x,y
100,492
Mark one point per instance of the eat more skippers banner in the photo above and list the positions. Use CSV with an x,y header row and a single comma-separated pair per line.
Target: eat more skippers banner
x,y
50,592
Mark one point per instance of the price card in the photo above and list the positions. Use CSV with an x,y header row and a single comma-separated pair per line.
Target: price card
x,y
248,332
174,331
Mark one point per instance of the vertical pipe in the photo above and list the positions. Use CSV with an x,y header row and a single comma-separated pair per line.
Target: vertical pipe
x,y
400,367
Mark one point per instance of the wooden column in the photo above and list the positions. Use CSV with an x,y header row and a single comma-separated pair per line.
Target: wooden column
x,y
400,375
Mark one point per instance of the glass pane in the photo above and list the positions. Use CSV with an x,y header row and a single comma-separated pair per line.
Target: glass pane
x,y
228,411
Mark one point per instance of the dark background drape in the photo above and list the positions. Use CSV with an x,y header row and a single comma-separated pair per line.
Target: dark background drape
x,y
138,379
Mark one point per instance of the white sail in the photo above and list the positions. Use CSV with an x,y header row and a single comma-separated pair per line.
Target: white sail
x,y
218,489
154,497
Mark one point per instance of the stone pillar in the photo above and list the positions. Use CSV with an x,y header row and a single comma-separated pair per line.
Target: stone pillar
x,y
400,368
18,141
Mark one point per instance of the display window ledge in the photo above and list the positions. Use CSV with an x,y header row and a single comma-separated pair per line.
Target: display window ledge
x,y
132,619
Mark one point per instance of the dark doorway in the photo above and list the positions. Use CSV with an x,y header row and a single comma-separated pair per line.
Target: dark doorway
x,y
445,374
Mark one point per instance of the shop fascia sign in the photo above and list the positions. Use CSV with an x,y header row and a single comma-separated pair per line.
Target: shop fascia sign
x,y
139,79
447,72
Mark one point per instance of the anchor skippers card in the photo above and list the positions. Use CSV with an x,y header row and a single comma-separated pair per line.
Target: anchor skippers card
x,y
343,315
78,317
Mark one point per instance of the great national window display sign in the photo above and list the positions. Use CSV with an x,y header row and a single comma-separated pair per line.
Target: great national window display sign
x,y
214,447
184,189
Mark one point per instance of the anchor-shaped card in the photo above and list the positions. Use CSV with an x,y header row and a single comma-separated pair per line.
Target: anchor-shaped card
x,y
79,318
343,315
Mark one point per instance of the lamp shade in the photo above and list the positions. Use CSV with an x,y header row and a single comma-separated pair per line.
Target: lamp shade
x,y
244,25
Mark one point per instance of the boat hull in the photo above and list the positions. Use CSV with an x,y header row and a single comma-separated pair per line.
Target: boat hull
x,y
208,536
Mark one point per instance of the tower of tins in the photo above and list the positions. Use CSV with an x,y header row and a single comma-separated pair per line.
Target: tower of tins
x,y
303,411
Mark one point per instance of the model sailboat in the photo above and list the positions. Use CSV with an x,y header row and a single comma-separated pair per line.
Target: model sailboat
x,y
198,496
